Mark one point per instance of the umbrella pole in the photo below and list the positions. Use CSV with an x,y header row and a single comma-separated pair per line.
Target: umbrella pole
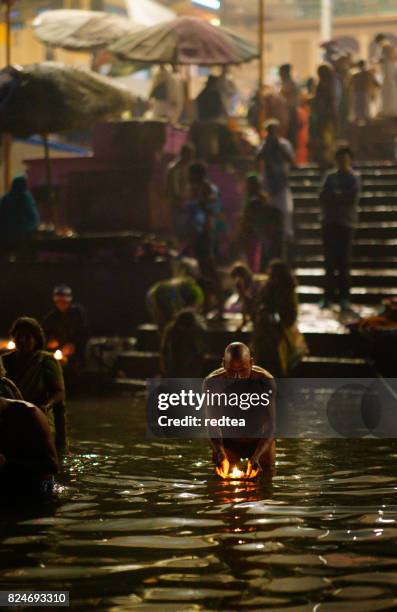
x,y
48,177
7,141
261,47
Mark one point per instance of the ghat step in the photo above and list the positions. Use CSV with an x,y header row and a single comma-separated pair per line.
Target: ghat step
x,y
336,367
132,385
319,343
360,277
365,230
359,295
367,175
367,187
376,214
377,263
138,366
362,247
302,200
381,165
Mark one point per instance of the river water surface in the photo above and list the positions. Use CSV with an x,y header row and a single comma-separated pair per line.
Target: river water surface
x,y
146,525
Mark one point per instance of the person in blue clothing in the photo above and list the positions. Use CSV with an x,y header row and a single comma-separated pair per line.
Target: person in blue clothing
x,y
339,198
19,217
204,224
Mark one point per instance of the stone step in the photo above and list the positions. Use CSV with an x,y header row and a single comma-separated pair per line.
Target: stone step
x,y
363,261
310,367
367,175
359,277
137,365
362,247
132,385
366,214
319,343
216,337
368,230
302,200
367,188
359,295
336,367
367,166
370,170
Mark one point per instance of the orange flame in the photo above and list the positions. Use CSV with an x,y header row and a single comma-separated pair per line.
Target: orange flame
x,y
235,473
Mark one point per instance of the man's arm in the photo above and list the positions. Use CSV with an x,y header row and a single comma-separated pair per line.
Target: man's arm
x,y
288,151
267,438
260,153
214,433
55,382
327,193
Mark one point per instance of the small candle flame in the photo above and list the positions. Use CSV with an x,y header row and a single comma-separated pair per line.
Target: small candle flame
x,y
58,355
235,473
11,345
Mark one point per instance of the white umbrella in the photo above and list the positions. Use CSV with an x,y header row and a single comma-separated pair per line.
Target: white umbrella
x,y
148,12
80,30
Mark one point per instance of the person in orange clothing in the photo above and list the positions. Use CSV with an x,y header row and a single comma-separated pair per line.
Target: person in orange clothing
x,y
302,137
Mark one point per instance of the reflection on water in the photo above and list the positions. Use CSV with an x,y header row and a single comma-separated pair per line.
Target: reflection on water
x,y
146,525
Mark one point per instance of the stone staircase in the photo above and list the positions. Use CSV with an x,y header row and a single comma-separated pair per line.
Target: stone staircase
x,y
374,276
374,273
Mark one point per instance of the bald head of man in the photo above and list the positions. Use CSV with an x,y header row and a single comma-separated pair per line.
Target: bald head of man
x,y
237,360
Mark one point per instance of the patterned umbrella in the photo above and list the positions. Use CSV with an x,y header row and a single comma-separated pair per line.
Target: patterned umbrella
x,y
185,40
80,30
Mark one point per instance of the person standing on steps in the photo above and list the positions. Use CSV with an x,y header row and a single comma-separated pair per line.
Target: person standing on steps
x,y
339,198
278,157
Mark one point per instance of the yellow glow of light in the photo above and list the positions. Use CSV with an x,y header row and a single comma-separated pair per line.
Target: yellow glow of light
x,y
215,21
58,355
235,473
11,345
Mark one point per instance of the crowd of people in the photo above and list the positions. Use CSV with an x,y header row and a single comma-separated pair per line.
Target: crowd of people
x,y
264,242
313,115
316,114
265,228
257,271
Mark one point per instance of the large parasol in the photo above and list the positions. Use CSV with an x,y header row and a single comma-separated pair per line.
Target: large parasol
x,y
185,40
89,31
80,30
49,98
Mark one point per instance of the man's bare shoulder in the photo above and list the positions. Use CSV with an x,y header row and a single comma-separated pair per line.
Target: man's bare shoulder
x,y
259,372
219,373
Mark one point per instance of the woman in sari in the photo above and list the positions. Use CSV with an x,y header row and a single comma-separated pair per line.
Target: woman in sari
x,y
278,345
37,374
323,118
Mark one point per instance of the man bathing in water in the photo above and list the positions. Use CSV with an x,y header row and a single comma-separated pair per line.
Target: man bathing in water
x,y
28,459
238,365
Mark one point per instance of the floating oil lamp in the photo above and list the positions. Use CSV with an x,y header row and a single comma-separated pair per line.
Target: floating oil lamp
x,y
227,471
